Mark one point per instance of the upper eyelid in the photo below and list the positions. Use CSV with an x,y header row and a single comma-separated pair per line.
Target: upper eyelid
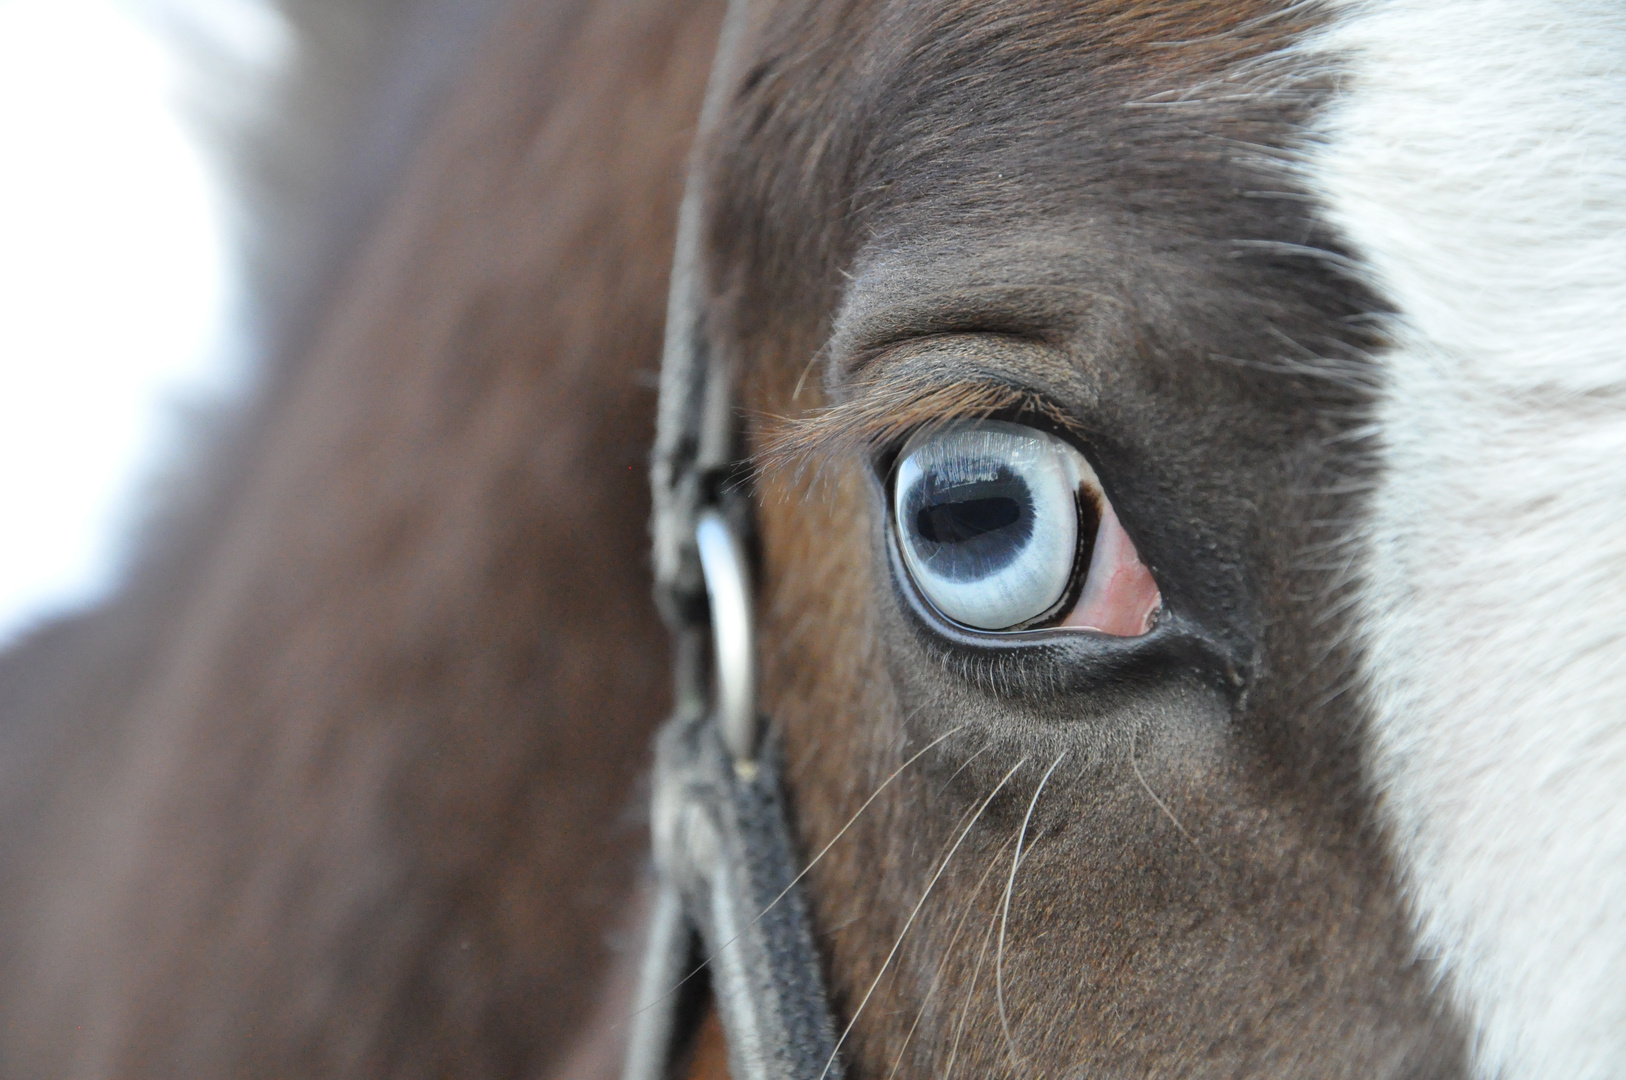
x,y
857,361
905,299
901,399
880,413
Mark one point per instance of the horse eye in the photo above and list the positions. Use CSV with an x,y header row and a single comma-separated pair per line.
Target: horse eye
x,y
1002,526
987,517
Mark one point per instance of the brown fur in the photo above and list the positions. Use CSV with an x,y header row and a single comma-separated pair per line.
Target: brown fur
x,y
1062,205
360,802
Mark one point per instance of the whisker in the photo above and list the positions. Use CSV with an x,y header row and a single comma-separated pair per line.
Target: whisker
x,y
857,813
698,968
1161,805
970,993
911,920
807,369
839,927
948,954
1005,915
963,764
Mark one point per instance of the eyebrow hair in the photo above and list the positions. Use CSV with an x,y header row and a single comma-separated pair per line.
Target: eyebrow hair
x,y
885,408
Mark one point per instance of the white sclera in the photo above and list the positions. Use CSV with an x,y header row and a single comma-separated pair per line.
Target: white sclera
x,y
1006,578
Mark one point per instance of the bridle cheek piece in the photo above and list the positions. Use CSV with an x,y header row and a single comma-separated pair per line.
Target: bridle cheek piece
x,y
728,895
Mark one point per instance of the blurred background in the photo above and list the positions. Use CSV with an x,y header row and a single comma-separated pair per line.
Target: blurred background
x,y
181,185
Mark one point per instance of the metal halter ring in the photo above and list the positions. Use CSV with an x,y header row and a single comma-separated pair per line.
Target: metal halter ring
x,y
728,864
733,637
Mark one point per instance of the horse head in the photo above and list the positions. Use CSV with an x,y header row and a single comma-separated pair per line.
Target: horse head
x,y
1136,589
1167,454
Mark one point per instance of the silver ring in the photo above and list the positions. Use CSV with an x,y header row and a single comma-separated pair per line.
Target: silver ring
x,y
728,589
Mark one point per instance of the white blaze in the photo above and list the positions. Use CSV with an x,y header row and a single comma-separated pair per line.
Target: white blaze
x,y
1475,157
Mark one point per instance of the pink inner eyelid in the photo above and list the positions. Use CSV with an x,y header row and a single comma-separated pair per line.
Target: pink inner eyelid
x,y
1120,597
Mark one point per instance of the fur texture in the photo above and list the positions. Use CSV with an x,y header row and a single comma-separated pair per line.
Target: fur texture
x,y
1476,162
1082,202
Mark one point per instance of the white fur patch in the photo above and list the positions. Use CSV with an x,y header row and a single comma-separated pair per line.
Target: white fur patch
x,y
1475,158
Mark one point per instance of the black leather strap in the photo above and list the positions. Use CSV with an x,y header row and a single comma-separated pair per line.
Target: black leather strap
x,y
723,847
730,857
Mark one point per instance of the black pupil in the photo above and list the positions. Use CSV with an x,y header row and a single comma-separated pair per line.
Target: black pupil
x,y
957,522
969,529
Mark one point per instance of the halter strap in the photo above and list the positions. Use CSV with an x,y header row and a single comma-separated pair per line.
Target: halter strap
x,y
724,854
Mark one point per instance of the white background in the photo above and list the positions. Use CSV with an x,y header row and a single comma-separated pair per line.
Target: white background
x,y
118,268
